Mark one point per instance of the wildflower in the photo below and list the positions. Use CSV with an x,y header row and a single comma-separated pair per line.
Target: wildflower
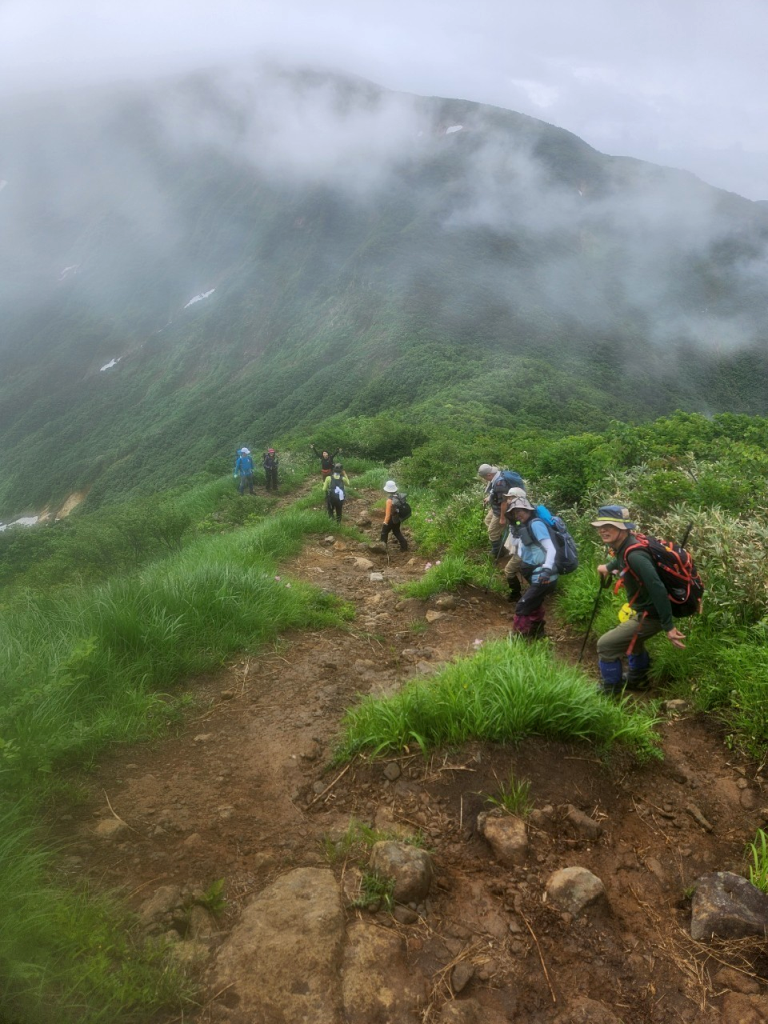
x,y
427,566
477,643
277,579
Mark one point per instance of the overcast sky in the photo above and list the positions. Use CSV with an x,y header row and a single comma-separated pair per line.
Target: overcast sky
x,y
677,82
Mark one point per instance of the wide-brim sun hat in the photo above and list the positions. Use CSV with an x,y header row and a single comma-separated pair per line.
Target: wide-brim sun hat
x,y
516,492
518,502
390,487
614,515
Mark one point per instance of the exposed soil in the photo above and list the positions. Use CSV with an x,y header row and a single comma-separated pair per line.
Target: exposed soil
x,y
243,792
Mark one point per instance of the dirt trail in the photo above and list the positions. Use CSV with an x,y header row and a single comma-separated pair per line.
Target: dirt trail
x,y
242,793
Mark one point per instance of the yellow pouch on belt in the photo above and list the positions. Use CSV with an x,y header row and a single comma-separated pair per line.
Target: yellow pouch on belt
x,y
626,613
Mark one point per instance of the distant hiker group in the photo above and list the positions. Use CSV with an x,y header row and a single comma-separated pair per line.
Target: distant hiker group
x,y
243,471
659,577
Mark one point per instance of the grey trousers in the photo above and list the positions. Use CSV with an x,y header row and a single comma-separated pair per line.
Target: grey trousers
x,y
614,643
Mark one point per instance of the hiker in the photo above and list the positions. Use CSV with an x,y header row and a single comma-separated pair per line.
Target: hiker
x,y
335,487
269,462
535,554
647,597
513,568
391,515
497,483
326,461
244,470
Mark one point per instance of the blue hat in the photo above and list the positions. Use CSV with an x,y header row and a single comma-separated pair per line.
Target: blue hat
x,y
614,515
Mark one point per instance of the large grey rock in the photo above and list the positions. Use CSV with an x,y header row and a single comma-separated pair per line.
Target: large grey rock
x,y
507,836
409,868
377,984
574,889
376,548
282,959
727,906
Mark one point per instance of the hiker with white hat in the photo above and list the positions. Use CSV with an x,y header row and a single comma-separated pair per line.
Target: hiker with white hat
x,y
244,470
534,556
396,509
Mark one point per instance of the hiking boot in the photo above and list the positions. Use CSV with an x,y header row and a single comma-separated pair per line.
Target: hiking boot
x,y
637,681
515,590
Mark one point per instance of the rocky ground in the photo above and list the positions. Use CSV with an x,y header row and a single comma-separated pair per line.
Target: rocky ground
x,y
243,793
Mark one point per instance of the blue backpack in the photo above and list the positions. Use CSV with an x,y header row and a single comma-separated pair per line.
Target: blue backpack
x,y
512,479
567,558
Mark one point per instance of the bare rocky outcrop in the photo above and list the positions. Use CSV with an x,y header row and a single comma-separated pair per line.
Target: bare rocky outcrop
x,y
377,984
283,957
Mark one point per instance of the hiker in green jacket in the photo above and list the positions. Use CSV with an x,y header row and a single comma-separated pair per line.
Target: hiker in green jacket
x,y
646,595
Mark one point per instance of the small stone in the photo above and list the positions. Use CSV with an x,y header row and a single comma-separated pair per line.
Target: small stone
x,y
461,975
392,771
376,577
736,981
227,694
339,545
363,563
408,866
110,828
377,548
676,707
574,889
583,823
203,737
434,616
328,541
405,915
507,836
446,602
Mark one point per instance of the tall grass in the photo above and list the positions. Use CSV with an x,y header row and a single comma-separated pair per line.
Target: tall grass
x,y
67,955
508,690
452,572
82,669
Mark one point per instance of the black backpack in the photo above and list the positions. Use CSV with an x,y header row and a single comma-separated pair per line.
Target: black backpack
x,y
336,487
402,509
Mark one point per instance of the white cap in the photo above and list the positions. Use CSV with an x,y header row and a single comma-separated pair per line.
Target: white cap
x,y
390,487
246,451
485,469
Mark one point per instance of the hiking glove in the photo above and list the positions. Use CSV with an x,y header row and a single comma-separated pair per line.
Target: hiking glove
x,y
542,576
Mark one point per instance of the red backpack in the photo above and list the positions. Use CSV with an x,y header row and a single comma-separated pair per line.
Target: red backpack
x,y
676,571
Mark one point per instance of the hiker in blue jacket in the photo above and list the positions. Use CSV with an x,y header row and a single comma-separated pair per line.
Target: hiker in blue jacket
x,y
244,470
535,554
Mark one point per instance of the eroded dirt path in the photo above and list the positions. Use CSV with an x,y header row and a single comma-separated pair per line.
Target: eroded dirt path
x,y
243,793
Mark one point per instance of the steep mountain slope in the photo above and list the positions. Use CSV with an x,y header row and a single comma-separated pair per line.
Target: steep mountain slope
x,y
235,257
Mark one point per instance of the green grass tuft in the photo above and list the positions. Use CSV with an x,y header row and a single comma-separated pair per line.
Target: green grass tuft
x,y
508,690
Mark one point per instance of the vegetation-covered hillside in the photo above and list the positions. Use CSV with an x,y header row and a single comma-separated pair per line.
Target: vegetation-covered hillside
x,y
408,263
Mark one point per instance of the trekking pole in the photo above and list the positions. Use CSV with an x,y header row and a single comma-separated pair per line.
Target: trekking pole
x,y
687,534
603,584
